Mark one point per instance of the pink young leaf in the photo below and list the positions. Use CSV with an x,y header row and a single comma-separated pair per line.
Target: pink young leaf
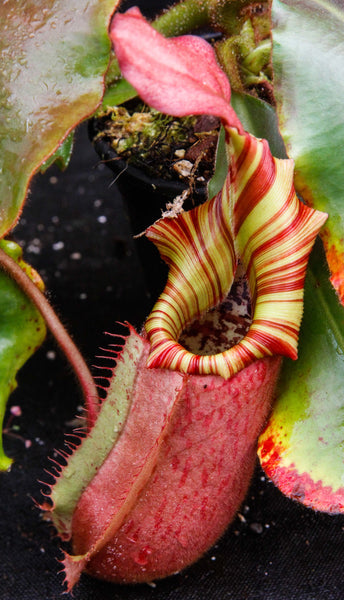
x,y
178,76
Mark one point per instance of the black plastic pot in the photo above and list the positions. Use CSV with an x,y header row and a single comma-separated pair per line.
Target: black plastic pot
x,y
154,192
145,199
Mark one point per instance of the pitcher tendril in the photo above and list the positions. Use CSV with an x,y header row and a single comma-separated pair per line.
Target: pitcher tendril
x,y
256,218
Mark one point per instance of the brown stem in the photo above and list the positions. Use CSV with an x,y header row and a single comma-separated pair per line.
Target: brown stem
x,y
63,339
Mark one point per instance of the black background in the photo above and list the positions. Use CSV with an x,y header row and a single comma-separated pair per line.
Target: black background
x,y
76,232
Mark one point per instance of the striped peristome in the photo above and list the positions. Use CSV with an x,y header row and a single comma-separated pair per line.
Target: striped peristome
x,y
257,219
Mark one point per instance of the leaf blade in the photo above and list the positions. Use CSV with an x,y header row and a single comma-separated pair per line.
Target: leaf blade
x,y
309,87
314,381
22,330
301,449
54,56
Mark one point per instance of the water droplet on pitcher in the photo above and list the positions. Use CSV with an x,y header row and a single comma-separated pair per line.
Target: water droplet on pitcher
x,y
141,557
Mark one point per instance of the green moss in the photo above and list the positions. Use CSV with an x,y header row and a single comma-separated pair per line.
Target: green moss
x,y
148,139
146,134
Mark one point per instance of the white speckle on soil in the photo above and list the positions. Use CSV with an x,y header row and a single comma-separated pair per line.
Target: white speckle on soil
x,y
102,219
76,256
83,296
39,441
34,247
58,246
256,528
183,168
51,355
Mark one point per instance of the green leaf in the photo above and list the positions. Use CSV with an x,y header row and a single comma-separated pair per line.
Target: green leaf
x,y
22,330
117,93
308,60
259,118
54,54
302,447
62,155
216,183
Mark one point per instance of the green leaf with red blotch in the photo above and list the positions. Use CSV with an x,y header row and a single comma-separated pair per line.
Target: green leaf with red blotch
x,y
308,59
22,330
302,447
54,55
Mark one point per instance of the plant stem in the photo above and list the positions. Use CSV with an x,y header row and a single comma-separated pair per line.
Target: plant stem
x,y
183,17
63,339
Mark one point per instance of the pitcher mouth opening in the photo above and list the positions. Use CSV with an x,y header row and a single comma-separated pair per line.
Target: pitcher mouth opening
x,y
223,326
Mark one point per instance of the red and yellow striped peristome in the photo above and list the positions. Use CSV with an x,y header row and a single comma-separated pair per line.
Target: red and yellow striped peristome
x,y
256,218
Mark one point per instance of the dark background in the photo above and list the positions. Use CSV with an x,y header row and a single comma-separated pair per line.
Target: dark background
x,y
76,232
